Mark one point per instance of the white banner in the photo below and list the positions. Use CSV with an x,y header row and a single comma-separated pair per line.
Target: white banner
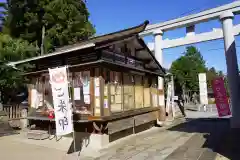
x,y
169,97
62,107
203,88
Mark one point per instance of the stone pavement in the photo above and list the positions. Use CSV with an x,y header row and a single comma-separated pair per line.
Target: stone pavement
x,y
147,145
157,145
204,144
196,139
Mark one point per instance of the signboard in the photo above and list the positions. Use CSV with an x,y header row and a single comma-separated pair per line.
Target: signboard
x,y
62,107
169,96
220,95
203,88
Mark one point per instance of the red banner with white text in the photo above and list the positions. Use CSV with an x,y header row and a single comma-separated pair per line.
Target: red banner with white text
x,y
221,98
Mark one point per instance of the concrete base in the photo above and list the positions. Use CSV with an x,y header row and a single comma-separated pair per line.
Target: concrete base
x,y
85,144
160,123
89,142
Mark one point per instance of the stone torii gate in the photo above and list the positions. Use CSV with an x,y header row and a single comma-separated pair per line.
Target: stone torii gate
x,y
225,14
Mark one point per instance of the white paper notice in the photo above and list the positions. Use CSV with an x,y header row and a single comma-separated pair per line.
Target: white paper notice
x,y
97,82
87,99
97,91
105,103
77,93
39,99
34,98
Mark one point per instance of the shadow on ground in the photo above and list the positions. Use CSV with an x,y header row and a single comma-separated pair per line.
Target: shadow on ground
x,y
215,137
81,140
5,128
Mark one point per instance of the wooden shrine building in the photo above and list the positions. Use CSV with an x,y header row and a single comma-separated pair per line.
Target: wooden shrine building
x,y
113,83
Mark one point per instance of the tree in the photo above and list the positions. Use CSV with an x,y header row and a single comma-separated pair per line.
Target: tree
x,y
15,49
65,21
186,69
211,75
11,79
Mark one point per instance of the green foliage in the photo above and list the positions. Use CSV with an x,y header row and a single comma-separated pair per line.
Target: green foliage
x,y
211,75
10,81
186,68
15,49
65,21
11,78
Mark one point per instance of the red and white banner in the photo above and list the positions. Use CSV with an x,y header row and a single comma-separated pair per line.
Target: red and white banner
x,y
220,95
62,106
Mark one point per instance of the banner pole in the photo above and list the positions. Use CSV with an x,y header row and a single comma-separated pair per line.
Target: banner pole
x,y
73,132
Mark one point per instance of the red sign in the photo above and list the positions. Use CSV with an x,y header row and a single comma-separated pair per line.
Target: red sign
x,y
58,77
220,95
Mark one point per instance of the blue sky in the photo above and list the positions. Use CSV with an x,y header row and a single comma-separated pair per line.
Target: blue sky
x,y
113,15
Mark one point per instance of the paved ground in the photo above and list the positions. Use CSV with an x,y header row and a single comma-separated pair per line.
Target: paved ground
x,y
196,139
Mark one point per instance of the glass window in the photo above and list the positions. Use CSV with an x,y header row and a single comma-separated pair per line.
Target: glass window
x,y
97,98
106,100
36,94
116,92
154,91
80,90
128,88
39,93
47,97
138,91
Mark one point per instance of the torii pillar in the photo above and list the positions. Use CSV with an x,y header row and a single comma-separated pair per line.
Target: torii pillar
x,y
158,36
232,66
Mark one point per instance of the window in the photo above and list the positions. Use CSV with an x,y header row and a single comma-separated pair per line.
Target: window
x,y
97,97
116,92
40,92
36,95
138,91
106,99
47,96
128,88
85,79
80,91
154,92
41,95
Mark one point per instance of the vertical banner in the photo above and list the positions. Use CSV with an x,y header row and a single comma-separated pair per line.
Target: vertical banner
x,y
220,95
62,107
203,88
169,97
161,101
